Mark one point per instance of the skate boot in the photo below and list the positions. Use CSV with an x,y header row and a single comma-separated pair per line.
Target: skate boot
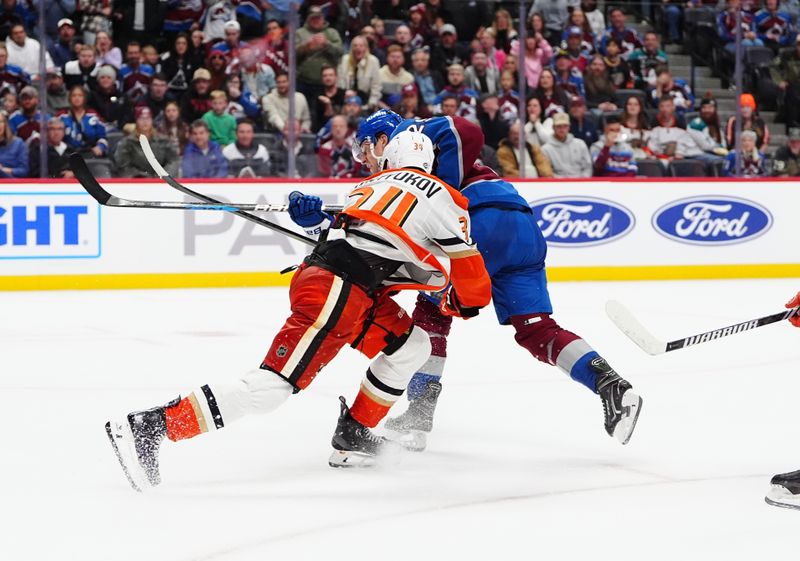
x,y
620,405
785,490
355,445
417,421
136,441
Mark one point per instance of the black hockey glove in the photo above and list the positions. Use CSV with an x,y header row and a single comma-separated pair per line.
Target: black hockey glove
x,y
450,306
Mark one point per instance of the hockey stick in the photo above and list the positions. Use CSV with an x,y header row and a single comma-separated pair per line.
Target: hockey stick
x,y
90,183
162,173
637,333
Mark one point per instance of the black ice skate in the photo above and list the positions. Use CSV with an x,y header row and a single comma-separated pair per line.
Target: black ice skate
x,y
620,405
354,444
417,421
136,442
785,490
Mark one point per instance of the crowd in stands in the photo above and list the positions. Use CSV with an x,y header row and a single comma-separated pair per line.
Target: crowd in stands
x,y
207,81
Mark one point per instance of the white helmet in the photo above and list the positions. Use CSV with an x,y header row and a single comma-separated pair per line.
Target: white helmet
x,y
408,149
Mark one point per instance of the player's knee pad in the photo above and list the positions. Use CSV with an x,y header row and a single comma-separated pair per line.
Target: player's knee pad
x,y
429,318
396,369
542,336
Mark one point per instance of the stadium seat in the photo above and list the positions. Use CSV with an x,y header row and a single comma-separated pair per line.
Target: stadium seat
x,y
700,31
755,56
390,26
307,165
100,167
687,168
113,139
650,168
308,143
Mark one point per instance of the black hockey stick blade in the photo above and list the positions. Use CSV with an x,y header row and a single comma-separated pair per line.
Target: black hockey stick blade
x,y
162,173
630,326
85,177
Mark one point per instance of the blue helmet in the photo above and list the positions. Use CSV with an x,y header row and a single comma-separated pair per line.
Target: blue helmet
x,y
380,122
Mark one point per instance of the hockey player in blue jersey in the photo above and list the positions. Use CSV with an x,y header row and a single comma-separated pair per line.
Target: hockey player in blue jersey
x,y
514,252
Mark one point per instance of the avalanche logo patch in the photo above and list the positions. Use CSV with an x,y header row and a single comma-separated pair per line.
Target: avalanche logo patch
x,y
712,220
581,221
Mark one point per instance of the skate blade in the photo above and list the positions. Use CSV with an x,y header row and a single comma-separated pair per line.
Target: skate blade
x,y
632,405
389,456
121,438
347,459
781,497
413,440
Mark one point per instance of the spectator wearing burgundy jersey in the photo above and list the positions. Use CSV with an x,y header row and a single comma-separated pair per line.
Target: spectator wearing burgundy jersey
x,y
508,98
612,155
12,77
552,97
275,47
726,27
335,157
135,76
418,27
626,37
25,122
468,98
774,26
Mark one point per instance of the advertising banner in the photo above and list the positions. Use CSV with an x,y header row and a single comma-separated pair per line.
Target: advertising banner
x,y
53,235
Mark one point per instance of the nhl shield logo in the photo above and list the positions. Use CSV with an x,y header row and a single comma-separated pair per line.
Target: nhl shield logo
x,y
282,350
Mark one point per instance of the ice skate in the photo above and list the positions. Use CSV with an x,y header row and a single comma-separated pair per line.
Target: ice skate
x,y
416,422
785,490
136,441
356,445
620,405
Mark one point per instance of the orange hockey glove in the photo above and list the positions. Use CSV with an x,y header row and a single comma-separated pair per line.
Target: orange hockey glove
x,y
450,306
793,303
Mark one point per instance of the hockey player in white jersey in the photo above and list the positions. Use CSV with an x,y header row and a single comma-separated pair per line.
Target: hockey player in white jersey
x,y
401,229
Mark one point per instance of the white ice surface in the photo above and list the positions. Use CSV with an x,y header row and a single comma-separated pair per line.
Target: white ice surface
x,y
518,466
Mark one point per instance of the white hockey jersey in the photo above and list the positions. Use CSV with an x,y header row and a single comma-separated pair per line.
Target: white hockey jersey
x,y
409,216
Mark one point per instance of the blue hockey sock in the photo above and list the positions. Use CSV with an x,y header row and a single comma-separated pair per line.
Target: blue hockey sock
x,y
419,383
583,373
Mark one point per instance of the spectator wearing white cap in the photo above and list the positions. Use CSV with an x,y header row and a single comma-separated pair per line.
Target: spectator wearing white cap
x,y
24,51
62,50
232,43
56,12
107,99
448,51
568,155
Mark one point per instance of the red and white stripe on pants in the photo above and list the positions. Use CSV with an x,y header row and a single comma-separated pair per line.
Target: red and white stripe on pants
x,y
327,314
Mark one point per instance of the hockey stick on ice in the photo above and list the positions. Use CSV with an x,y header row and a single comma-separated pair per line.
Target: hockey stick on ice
x,y
90,183
162,173
630,326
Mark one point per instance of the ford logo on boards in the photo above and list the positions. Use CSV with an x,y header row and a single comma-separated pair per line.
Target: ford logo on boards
x,y
712,220
581,221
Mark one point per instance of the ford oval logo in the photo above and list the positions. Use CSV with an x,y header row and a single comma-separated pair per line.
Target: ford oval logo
x,y
713,219
581,221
